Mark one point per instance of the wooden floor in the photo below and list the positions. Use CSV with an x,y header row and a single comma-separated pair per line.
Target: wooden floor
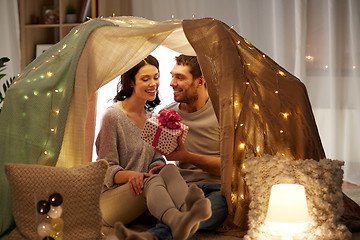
x,y
351,190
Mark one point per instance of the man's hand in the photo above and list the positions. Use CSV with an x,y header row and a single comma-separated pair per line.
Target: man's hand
x,y
136,182
180,153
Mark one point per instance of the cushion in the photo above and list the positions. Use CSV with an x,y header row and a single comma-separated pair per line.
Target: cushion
x,y
322,181
63,202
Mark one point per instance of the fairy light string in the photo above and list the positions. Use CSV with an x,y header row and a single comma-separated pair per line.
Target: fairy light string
x,y
238,193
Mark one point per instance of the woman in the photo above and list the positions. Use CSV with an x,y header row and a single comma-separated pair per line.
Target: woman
x,y
137,177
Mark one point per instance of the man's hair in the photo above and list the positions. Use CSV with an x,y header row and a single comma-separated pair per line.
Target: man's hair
x,y
190,61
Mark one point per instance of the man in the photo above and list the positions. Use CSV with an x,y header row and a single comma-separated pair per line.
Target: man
x,y
198,158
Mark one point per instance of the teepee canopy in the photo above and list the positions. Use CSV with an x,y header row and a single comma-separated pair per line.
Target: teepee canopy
x,y
261,108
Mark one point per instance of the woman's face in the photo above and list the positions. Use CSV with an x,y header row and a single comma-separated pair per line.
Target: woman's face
x,y
146,83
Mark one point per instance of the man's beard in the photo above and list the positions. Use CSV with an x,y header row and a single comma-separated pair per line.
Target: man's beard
x,y
188,96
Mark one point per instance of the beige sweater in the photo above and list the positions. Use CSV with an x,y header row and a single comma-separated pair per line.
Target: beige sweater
x,y
120,144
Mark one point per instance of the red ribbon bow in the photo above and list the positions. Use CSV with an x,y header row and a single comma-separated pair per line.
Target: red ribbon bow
x,y
170,119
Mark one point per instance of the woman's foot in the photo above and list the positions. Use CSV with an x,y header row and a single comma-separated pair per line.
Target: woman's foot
x,y
194,193
184,223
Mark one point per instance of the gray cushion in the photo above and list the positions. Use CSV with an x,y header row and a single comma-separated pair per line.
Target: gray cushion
x,y
80,188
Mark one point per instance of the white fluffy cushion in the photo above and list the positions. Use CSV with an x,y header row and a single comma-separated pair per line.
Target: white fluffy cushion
x,y
322,181
80,188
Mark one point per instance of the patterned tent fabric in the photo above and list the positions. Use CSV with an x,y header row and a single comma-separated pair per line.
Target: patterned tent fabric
x,y
262,109
35,110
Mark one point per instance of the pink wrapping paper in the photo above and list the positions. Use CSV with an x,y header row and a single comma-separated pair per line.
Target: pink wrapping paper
x,y
163,130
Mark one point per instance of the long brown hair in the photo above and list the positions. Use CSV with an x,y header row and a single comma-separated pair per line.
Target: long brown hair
x,y
124,89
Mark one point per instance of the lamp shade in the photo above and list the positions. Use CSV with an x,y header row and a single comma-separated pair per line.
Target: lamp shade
x,y
287,204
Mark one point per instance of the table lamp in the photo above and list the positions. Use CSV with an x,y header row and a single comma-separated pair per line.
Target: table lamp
x,y
287,212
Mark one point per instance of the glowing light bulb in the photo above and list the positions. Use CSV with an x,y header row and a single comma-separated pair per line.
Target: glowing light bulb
x,y
242,146
45,152
26,97
247,41
56,90
281,131
309,57
285,115
52,129
233,197
49,74
256,107
241,124
57,111
276,91
326,66
258,148
281,73
36,93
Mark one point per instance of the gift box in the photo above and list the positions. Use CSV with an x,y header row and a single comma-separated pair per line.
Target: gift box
x,y
163,130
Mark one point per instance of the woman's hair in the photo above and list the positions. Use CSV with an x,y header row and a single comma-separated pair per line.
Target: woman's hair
x,y
124,89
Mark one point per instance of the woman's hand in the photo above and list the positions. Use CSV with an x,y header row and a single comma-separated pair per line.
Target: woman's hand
x,y
136,182
156,169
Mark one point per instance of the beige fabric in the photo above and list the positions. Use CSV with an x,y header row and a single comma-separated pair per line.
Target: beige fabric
x,y
119,204
250,94
80,188
109,52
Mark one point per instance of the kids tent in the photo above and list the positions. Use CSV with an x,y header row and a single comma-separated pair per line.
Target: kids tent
x,y
48,119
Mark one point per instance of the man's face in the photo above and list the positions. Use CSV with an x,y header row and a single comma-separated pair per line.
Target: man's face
x,y
183,84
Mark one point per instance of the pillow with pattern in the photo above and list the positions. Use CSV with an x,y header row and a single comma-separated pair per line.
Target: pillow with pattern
x,y
55,202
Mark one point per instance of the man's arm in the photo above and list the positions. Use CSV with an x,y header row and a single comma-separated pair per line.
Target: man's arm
x,y
209,164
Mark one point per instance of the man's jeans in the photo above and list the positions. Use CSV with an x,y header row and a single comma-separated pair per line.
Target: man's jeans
x,y
219,212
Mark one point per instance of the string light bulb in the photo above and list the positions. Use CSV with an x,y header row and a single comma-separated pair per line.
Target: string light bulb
x,y
285,115
281,73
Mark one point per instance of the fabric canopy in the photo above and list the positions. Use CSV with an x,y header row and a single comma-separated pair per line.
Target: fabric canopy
x,y
261,108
